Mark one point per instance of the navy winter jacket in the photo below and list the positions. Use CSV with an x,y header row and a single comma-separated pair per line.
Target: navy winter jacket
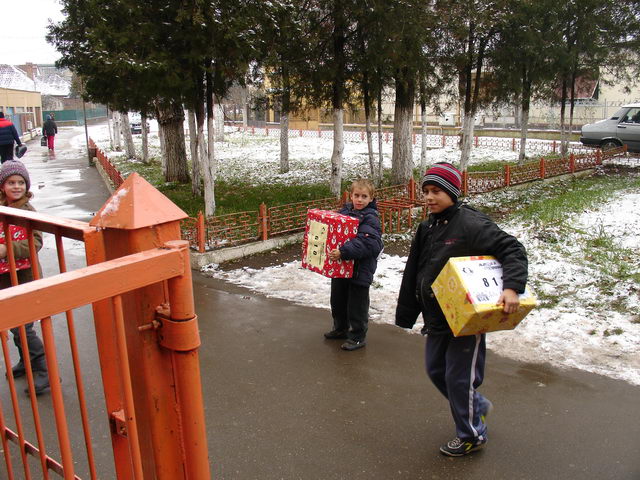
x,y
365,247
8,133
458,231
50,128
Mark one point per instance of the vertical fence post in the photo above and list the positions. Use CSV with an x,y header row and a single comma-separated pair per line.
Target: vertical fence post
x,y
513,144
412,189
572,163
345,197
542,168
386,137
476,141
200,232
264,221
554,146
319,133
125,225
598,157
465,183
414,138
300,132
507,175
253,130
444,140
179,335
362,135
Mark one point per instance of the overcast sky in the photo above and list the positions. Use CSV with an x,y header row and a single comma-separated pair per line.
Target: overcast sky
x,y
23,30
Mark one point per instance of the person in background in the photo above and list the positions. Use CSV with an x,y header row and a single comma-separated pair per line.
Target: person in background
x,y
8,135
455,365
350,296
50,130
14,192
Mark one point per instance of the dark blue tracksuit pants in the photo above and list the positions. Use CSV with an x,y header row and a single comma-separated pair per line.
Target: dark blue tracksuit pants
x,y
455,365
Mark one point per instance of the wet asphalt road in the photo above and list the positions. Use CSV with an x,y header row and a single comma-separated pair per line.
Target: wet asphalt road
x,y
283,403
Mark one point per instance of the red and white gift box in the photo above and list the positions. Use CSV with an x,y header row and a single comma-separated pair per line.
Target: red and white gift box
x,y
17,234
325,231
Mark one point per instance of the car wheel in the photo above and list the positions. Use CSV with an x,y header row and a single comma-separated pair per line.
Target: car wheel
x,y
609,144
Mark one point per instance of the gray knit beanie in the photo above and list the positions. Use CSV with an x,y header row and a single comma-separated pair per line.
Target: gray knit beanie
x,y
14,167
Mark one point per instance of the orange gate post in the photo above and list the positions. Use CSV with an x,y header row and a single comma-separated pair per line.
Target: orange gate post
x,y
137,218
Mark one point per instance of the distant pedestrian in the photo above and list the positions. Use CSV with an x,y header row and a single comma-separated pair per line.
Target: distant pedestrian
x,y
8,135
14,192
350,296
455,365
50,130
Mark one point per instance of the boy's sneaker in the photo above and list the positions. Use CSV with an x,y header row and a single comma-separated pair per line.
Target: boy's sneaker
x,y
18,370
353,344
336,335
460,448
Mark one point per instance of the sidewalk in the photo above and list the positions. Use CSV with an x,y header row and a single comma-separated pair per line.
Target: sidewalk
x,y
283,403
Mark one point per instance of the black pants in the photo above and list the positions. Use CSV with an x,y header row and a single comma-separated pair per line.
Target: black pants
x,y
350,308
455,365
6,152
36,348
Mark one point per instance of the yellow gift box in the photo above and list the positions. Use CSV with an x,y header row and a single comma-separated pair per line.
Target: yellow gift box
x,y
467,290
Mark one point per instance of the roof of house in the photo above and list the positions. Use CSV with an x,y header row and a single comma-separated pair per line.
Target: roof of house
x,y
13,78
46,79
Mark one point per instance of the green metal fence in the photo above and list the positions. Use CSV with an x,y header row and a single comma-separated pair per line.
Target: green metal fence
x,y
75,117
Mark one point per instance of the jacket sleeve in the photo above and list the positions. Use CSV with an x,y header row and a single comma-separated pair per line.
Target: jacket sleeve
x,y
368,241
16,137
487,237
408,307
21,247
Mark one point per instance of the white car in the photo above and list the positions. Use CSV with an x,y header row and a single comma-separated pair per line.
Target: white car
x,y
623,128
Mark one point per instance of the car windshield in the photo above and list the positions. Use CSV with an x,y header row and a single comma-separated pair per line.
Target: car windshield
x,y
620,113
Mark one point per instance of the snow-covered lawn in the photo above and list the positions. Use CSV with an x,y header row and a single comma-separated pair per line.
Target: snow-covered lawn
x,y
587,320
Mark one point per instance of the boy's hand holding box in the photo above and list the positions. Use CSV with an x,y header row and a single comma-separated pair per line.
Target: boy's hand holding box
x,y
325,231
467,290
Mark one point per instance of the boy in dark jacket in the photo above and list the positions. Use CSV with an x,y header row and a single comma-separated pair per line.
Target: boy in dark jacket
x,y
455,365
350,296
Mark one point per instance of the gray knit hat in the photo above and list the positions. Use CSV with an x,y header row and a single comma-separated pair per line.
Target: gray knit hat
x,y
14,167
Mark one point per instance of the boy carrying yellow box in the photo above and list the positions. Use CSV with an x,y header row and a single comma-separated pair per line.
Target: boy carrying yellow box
x,y
455,365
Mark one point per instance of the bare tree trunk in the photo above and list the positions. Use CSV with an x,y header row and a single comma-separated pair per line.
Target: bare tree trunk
x,y
116,132
372,161
219,122
402,156
284,143
467,136
172,119
524,120
244,114
423,134
163,149
128,138
110,125
145,139
338,148
380,157
193,147
563,107
208,162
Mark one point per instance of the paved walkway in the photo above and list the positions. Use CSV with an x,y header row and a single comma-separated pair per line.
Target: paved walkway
x,y
283,403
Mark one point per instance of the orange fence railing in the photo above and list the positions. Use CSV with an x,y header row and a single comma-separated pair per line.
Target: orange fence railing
x,y
138,285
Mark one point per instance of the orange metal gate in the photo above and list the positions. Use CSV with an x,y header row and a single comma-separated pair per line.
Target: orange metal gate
x,y
138,284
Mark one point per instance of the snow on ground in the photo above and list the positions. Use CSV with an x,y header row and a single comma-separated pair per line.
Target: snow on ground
x,y
578,329
573,333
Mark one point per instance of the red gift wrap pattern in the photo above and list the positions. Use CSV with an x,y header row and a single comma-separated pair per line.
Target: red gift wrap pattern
x,y
17,234
325,231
